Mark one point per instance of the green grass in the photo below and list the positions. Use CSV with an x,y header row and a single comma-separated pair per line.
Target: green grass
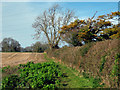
x,y
73,79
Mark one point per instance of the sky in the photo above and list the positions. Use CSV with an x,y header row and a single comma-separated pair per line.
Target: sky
x,y
60,0
18,17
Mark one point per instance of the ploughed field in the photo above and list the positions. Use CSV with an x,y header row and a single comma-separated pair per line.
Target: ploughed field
x,y
14,58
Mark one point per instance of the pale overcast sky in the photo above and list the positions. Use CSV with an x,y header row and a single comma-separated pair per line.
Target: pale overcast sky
x,y
18,17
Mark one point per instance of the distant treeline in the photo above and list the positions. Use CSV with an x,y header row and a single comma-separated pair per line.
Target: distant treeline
x,y
11,45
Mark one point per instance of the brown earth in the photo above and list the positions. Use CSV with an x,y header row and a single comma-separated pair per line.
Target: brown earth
x,y
13,59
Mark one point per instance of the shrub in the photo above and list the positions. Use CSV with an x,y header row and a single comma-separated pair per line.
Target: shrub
x,y
116,71
85,49
4,68
102,63
10,81
40,75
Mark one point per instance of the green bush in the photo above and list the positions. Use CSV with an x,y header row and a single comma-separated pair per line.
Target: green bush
x,y
102,63
85,49
96,82
37,75
86,75
115,70
4,68
10,82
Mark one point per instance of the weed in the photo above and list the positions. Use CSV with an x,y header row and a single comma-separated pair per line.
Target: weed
x,y
116,71
102,63
5,68
96,82
86,75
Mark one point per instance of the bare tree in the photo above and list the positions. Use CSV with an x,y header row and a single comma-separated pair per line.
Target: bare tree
x,y
50,23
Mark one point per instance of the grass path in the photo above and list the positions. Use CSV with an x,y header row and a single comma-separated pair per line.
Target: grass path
x,y
72,77
73,81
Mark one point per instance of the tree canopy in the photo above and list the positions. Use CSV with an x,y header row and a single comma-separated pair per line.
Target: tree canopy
x,y
39,47
10,45
91,29
49,23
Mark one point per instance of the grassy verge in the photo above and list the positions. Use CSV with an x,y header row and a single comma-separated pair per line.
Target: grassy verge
x,y
73,79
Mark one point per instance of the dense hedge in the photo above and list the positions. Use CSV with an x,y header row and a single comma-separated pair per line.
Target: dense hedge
x,y
97,59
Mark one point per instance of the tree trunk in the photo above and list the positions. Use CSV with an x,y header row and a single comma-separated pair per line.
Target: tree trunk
x,y
56,46
50,46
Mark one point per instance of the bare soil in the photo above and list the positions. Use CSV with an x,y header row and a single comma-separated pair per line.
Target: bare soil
x,y
14,59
